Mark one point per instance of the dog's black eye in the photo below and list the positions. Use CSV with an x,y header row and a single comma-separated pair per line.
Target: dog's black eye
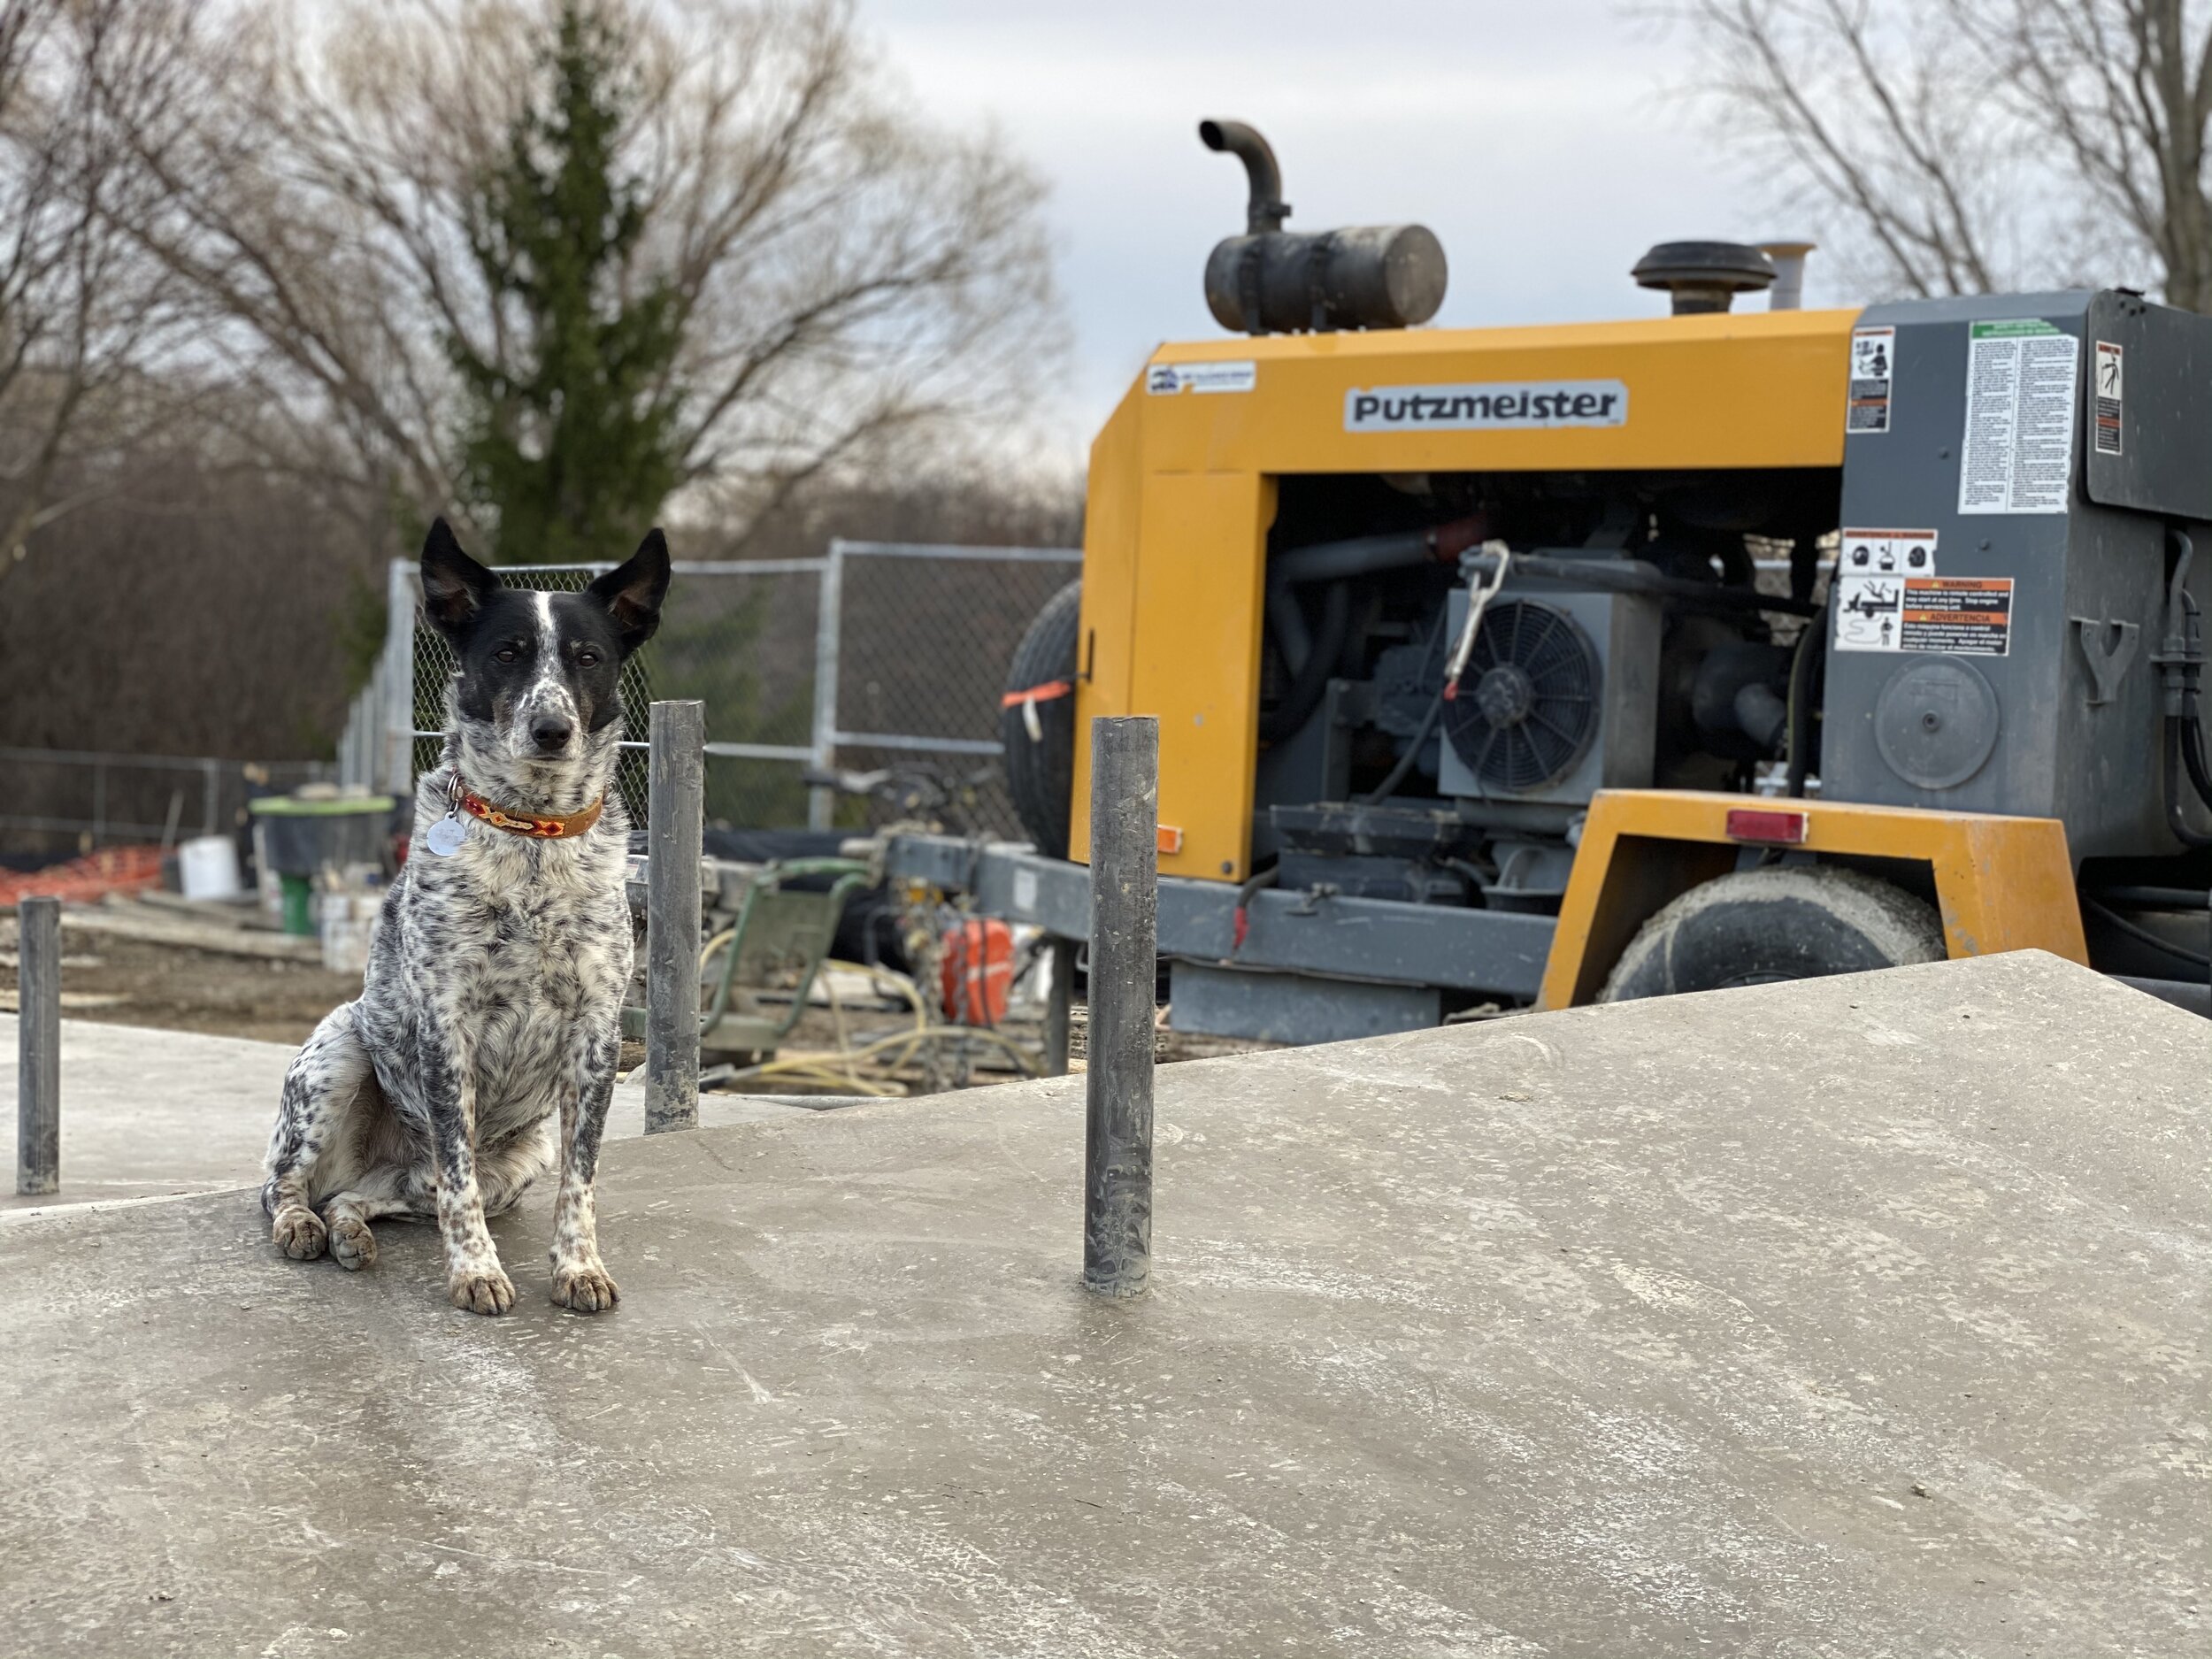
x,y
587,658
504,654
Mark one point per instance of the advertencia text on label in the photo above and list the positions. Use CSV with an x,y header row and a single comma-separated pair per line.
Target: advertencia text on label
x,y
1485,407
1968,615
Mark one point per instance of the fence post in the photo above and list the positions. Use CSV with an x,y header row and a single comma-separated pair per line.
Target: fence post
x,y
1124,964
38,1047
1059,995
821,801
211,790
677,767
399,679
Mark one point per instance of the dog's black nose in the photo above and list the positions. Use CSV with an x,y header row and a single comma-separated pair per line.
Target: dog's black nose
x,y
550,732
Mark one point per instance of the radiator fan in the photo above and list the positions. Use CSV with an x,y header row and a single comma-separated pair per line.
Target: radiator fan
x,y
1526,705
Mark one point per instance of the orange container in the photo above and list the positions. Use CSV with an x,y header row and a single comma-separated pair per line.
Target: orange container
x,y
977,971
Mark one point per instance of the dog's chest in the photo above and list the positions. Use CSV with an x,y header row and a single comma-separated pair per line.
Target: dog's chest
x,y
522,954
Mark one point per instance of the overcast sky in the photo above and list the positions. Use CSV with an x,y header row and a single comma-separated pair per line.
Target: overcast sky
x,y
1546,143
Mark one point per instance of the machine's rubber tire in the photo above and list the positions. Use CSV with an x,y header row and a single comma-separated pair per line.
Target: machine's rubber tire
x,y
1784,922
1040,773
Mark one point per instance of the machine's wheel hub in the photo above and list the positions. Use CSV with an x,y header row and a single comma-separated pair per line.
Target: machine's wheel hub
x,y
1505,695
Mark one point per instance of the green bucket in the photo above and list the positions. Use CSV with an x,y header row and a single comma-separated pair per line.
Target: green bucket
x,y
299,907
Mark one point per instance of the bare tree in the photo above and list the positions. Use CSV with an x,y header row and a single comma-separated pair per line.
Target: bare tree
x,y
1968,145
845,275
83,315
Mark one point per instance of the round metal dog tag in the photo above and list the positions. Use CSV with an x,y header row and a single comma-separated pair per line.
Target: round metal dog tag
x,y
444,838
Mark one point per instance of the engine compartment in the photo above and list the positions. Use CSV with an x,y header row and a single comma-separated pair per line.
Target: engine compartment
x,y
1632,629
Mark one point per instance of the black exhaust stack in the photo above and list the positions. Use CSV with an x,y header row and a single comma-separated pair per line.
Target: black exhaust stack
x,y
1266,209
1271,281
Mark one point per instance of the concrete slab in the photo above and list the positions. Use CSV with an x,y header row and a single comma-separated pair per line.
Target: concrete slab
x,y
1859,1318
146,1113
150,1112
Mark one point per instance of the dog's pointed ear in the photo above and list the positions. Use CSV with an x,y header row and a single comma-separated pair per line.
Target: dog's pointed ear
x,y
454,585
633,592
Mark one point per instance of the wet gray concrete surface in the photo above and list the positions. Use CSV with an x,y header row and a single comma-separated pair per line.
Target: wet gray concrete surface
x,y
148,1113
1859,1318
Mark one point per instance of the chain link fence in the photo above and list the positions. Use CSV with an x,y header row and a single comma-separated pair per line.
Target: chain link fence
x,y
925,636
60,801
878,657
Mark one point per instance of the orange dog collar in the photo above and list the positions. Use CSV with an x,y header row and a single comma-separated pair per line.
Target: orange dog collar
x,y
544,829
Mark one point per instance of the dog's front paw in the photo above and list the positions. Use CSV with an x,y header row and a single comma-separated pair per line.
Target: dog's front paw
x,y
482,1290
352,1243
299,1233
584,1287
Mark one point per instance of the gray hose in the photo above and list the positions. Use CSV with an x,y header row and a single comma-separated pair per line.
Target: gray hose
x,y
1312,677
1364,556
1287,622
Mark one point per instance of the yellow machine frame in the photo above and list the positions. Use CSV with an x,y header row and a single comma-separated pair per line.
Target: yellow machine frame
x,y
1183,492
1182,495
2001,883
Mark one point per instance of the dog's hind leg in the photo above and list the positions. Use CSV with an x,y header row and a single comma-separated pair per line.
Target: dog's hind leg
x,y
320,1087
390,1191
580,1279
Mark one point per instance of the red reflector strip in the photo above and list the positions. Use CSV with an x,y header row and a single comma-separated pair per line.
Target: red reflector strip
x,y
1171,839
1768,829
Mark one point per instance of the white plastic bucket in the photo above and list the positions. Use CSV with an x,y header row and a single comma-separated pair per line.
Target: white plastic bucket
x,y
208,865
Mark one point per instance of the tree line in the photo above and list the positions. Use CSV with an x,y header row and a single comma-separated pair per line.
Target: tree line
x,y
279,280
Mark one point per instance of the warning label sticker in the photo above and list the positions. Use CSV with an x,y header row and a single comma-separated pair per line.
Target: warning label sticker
x,y
1867,610
1888,553
1164,380
1968,615
2018,446
1873,365
2105,398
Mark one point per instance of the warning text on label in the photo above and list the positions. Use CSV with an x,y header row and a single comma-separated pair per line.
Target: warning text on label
x,y
2017,453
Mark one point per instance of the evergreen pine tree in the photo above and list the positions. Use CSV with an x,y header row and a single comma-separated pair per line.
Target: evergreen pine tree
x,y
571,451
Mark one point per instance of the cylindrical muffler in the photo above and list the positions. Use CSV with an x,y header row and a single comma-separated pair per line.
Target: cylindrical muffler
x,y
1370,276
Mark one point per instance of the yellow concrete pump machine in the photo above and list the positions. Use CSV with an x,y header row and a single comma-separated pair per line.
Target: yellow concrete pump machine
x,y
1560,664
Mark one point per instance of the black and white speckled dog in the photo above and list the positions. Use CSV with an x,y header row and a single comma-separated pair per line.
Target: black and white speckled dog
x,y
492,1005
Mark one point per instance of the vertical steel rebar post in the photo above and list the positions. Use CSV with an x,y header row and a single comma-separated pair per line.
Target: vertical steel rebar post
x,y
821,801
677,767
1059,998
1124,964
38,1047
397,762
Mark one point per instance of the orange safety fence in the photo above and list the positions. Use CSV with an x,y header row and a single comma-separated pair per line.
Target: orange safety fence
x,y
93,875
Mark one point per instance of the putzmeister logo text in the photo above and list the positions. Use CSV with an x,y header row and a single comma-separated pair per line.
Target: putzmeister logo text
x,y
1486,406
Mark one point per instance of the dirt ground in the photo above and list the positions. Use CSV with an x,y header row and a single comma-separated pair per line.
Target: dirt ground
x,y
172,988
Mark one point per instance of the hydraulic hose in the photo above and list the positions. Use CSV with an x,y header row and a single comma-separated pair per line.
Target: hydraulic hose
x,y
1288,623
1338,560
1624,576
2180,664
2192,753
1810,658
1307,685
1364,556
2143,935
1407,761
2181,738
